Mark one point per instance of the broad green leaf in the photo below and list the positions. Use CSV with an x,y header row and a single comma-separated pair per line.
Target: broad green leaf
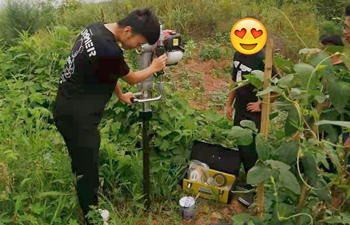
x,y
283,64
295,92
241,135
258,74
262,148
292,122
256,78
333,48
285,210
249,124
319,57
303,69
243,218
331,131
322,190
339,94
269,90
346,217
277,165
285,81
334,220
310,168
337,123
289,181
254,81
287,152
320,98
258,174
304,72
212,116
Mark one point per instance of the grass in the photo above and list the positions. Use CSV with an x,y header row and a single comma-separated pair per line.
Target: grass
x,y
36,185
213,21
210,52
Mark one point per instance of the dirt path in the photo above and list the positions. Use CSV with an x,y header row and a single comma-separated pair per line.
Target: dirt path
x,y
210,213
205,78
207,213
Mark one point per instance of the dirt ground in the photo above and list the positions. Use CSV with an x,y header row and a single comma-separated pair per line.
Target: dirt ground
x,y
208,214
208,80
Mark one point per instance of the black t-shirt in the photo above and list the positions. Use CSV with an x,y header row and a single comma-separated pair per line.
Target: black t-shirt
x,y
244,65
91,73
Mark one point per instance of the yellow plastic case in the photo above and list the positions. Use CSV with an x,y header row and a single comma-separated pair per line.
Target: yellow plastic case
x,y
210,191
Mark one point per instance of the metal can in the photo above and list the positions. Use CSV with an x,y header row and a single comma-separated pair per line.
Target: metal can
x,y
188,207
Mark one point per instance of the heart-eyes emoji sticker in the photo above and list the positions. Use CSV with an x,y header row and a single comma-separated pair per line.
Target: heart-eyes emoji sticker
x,y
248,36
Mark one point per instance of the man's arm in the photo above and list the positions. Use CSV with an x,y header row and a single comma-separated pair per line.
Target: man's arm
x,y
117,90
157,65
126,98
229,107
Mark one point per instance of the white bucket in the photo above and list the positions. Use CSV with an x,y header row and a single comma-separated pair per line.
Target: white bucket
x,y
188,207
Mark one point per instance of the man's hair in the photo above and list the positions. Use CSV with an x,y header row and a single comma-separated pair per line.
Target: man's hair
x,y
331,40
347,10
144,22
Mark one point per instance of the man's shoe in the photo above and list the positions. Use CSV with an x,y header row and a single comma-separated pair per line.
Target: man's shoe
x,y
105,215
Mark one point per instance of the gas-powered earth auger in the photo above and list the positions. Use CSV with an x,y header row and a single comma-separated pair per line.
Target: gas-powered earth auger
x,y
170,43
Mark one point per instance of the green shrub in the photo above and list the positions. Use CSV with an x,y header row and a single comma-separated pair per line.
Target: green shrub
x,y
210,52
331,9
76,15
330,28
19,15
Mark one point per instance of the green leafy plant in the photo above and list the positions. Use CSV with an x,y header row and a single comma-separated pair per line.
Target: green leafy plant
x,y
209,52
294,167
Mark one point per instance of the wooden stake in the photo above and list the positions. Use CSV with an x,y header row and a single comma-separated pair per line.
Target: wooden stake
x,y
265,119
265,109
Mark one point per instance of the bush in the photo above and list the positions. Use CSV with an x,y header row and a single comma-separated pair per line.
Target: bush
x,y
330,9
19,15
210,52
330,28
76,15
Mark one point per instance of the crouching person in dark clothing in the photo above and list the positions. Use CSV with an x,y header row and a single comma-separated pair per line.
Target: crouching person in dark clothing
x,y
88,81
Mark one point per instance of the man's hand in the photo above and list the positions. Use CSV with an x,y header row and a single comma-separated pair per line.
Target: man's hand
x,y
229,111
127,97
254,106
159,63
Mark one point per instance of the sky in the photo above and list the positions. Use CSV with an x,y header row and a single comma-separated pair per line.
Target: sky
x,y
3,1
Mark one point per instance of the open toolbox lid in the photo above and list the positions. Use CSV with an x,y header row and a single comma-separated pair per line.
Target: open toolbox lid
x,y
217,157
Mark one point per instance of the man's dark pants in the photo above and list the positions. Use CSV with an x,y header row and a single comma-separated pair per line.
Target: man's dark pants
x,y
82,139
